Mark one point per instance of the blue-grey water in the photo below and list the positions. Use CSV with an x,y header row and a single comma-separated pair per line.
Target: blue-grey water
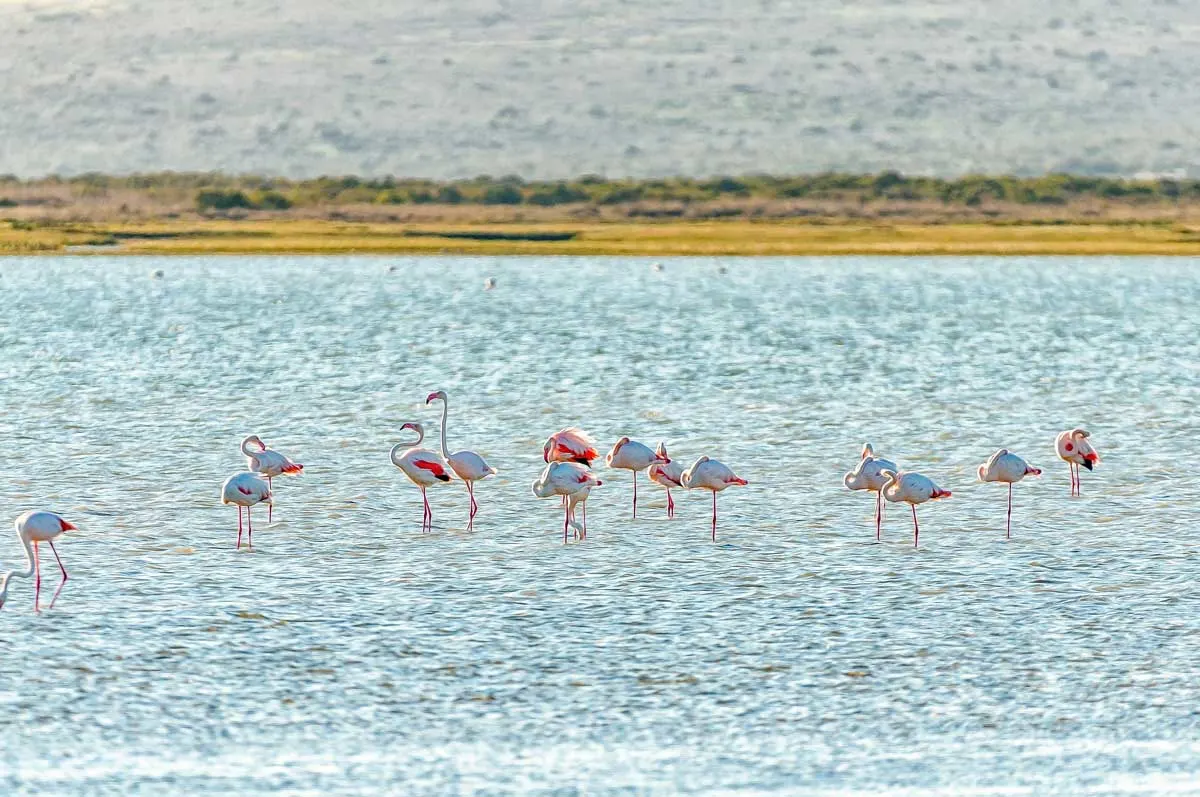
x,y
350,653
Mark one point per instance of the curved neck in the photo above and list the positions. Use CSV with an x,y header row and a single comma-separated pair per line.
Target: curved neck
x,y
245,450
11,574
445,412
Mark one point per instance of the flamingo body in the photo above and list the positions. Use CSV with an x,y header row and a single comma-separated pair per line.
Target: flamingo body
x,y
1077,451
709,474
570,445
1006,467
32,528
570,480
667,474
868,475
631,455
912,489
245,489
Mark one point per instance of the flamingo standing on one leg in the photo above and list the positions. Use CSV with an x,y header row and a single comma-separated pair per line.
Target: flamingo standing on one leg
x,y
245,489
1073,446
1004,466
631,455
668,475
868,475
570,480
913,489
269,463
709,474
469,466
34,527
423,467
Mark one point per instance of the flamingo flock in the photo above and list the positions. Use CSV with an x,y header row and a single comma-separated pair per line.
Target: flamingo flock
x,y
569,455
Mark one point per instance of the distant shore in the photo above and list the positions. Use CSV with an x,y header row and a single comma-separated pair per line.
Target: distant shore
x,y
758,215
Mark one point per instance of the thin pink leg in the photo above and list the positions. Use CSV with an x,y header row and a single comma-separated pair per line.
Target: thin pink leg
x,y
635,494
566,520
583,512
249,530
670,505
916,528
714,534
270,506
878,516
60,564
1008,535
239,545
37,569
426,515
474,506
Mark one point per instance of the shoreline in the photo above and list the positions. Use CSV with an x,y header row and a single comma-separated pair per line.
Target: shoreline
x,y
655,239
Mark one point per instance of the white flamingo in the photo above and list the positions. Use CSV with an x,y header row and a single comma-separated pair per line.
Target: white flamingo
x,y
423,468
868,475
709,474
34,527
1006,467
1075,448
913,489
666,474
573,482
269,463
467,465
631,455
245,489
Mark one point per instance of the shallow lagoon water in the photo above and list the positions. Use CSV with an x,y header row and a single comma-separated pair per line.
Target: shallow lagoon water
x,y
350,653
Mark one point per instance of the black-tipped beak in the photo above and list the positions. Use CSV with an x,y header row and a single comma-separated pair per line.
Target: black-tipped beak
x,y
1087,463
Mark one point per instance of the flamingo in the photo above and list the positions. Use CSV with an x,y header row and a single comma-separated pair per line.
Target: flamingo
x,y
245,489
709,474
573,482
667,474
423,468
1073,446
913,489
33,527
1004,466
469,466
631,455
570,445
868,475
269,463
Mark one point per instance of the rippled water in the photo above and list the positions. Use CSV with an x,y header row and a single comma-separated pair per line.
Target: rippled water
x,y
350,653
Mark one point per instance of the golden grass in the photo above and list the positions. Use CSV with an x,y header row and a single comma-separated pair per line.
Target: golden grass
x,y
659,239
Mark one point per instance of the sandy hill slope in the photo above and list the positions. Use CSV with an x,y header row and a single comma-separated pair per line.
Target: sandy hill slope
x,y
622,87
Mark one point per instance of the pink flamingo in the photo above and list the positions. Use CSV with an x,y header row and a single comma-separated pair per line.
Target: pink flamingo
x,y
631,455
574,483
269,463
709,474
469,466
868,475
245,489
1074,448
34,527
667,474
913,489
423,468
570,445
1004,466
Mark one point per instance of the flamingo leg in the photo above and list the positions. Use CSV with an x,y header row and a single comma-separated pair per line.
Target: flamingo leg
x,y
566,520
916,527
37,569
1008,528
584,509
635,495
249,530
270,506
427,513
878,516
239,543
714,530
474,506
670,505
60,564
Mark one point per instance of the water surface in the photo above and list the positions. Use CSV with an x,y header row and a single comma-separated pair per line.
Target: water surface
x,y
351,653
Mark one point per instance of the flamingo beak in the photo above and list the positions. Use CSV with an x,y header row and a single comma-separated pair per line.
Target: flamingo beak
x,y
430,397
1087,463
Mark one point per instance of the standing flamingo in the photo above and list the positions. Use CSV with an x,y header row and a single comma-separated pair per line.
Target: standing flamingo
x,y
631,455
913,489
667,474
570,445
1004,466
269,463
245,489
423,467
573,482
469,466
1073,446
34,527
709,474
868,475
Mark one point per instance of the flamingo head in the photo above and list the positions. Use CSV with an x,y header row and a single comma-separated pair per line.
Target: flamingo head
x,y
855,479
256,440
661,453
868,451
437,394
